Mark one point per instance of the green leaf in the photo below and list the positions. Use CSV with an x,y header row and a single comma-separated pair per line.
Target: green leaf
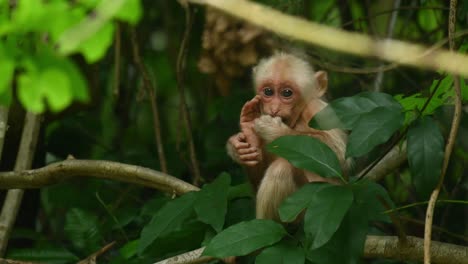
x,y
82,229
78,37
345,112
305,152
211,204
167,219
44,255
294,204
130,249
372,129
244,238
325,213
283,252
130,12
240,191
425,154
6,74
51,84
427,19
372,200
55,87
95,47
347,244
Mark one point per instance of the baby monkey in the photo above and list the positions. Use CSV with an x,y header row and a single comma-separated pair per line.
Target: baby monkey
x,y
288,95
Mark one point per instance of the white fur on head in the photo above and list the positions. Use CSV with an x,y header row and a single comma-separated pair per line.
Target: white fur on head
x,y
299,70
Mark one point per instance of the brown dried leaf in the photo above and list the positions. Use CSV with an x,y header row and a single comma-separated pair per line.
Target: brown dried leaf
x,y
207,65
248,55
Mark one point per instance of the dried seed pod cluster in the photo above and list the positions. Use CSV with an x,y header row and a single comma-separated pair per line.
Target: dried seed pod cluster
x,y
230,47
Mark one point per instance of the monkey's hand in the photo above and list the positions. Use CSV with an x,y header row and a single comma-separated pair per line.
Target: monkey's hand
x,y
269,128
242,152
250,111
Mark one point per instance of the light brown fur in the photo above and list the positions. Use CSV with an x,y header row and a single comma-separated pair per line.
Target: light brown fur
x,y
288,97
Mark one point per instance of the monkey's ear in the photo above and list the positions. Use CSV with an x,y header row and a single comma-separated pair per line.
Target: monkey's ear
x,y
322,82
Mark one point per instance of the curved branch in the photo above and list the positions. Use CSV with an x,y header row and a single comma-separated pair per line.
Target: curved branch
x,y
450,143
65,170
339,40
394,158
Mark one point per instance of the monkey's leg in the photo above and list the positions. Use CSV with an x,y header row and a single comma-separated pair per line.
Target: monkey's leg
x,y
277,184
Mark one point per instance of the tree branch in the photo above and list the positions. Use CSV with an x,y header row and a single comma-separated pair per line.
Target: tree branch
x,y
450,143
24,159
68,169
339,40
375,247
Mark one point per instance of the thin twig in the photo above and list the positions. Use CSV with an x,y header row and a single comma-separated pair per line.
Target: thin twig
x,y
24,161
92,258
3,127
181,58
401,8
152,98
391,25
450,143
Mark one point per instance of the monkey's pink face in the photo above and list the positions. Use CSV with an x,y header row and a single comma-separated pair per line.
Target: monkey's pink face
x,y
279,99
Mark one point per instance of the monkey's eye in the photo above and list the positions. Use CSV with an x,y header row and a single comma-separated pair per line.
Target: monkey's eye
x,y
287,92
268,91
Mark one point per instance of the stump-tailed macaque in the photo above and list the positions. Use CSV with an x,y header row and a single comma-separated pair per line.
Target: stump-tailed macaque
x,y
288,95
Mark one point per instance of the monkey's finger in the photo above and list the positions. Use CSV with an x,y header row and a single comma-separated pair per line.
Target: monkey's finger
x,y
247,151
250,163
241,145
249,157
241,137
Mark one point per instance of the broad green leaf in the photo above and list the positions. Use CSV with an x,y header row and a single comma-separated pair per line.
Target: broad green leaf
x,y
55,87
43,255
347,244
425,154
372,129
211,204
75,38
29,94
130,12
427,19
325,213
244,238
7,69
82,229
283,252
305,152
294,204
371,200
240,190
95,47
345,112
52,84
168,218
130,249
79,86
29,15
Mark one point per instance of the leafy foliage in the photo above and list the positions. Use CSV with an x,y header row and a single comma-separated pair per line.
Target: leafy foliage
x,y
47,77
244,238
307,153
57,55
425,154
